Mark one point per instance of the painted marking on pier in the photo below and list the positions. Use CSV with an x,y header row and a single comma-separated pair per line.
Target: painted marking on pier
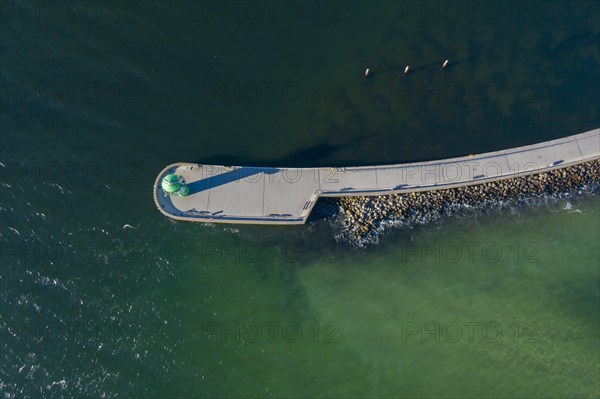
x,y
578,147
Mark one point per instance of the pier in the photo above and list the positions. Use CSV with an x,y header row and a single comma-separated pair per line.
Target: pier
x,y
261,195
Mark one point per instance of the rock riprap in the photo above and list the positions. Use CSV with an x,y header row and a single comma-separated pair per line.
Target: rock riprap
x,y
363,216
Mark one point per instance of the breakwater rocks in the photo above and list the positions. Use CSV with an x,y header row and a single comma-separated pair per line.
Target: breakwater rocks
x,y
363,217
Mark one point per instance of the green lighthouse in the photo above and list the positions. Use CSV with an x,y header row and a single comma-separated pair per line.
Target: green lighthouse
x,y
175,185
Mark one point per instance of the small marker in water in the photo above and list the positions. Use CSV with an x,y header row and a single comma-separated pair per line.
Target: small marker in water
x,y
366,72
406,69
445,64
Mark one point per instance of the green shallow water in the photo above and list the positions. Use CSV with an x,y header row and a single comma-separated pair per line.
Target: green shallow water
x,y
101,295
497,307
508,303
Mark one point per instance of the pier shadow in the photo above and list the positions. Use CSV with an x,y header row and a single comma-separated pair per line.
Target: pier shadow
x,y
227,177
324,208
305,157
577,41
318,152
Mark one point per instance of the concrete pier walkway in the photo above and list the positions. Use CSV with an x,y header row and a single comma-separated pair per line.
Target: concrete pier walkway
x,y
237,194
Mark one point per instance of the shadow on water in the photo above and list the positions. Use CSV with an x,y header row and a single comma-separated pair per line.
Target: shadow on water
x,y
582,39
324,208
306,157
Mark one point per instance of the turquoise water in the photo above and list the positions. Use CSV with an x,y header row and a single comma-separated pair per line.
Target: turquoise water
x,y
100,295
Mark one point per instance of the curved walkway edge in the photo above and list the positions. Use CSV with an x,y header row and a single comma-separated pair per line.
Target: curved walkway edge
x,y
255,195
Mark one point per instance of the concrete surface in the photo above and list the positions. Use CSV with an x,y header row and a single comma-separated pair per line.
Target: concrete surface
x,y
257,195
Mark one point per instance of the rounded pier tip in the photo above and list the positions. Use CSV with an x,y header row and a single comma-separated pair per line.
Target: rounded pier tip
x,y
406,69
366,72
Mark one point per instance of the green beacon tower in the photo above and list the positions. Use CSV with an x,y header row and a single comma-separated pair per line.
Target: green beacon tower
x,y
175,185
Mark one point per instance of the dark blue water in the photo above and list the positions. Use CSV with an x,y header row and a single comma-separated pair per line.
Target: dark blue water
x,y
103,296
